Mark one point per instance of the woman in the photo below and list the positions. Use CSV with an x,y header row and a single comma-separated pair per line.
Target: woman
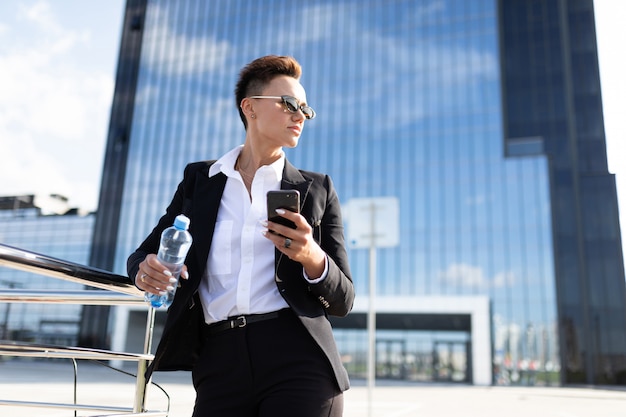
x,y
250,316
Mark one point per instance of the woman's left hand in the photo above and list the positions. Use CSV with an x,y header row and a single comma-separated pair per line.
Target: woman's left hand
x,y
298,243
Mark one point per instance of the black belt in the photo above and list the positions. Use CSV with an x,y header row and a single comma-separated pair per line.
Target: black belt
x,y
239,321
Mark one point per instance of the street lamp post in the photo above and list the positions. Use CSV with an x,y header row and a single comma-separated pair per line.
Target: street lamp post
x,y
373,223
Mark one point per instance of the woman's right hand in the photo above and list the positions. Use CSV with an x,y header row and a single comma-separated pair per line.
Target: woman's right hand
x,y
155,278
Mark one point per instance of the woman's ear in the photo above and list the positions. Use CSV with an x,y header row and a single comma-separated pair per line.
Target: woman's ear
x,y
246,107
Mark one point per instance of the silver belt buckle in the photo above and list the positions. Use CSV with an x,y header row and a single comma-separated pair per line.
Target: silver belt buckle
x,y
239,322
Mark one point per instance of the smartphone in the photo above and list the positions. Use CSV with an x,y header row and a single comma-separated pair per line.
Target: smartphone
x,y
284,199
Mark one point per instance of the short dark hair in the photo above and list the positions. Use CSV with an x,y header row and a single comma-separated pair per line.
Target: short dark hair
x,y
260,72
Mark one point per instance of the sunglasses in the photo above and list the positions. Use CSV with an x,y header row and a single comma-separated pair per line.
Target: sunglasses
x,y
292,105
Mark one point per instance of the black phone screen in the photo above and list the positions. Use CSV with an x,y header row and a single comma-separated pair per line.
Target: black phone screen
x,y
284,199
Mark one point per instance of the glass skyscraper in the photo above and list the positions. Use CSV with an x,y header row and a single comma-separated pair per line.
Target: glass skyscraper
x,y
482,117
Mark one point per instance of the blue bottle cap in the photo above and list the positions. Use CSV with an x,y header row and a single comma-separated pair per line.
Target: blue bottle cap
x,y
181,222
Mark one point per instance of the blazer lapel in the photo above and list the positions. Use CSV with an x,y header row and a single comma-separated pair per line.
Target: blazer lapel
x,y
207,195
292,180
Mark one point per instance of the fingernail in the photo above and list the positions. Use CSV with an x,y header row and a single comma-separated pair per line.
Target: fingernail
x,y
162,292
169,288
264,232
172,280
280,211
263,223
185,275
167,272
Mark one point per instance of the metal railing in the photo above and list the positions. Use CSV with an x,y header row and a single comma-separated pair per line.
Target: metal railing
x,y
119,291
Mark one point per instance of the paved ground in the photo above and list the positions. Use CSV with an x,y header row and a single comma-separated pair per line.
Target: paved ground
x,y
36,380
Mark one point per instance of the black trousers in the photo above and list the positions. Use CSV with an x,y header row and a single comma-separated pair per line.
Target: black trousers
x,y
271,368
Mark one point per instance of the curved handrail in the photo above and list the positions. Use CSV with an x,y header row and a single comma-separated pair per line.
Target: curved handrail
x,y
84,297
46,265
91,277
40,350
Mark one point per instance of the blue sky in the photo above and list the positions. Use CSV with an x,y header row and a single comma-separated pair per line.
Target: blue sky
x,y
57,68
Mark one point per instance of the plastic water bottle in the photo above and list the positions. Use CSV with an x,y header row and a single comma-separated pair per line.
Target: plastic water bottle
x,y
175,243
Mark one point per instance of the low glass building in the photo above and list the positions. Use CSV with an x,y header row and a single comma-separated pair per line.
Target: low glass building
x,y
65,234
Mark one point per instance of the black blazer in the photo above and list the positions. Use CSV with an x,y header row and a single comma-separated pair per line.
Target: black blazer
x,y
198,197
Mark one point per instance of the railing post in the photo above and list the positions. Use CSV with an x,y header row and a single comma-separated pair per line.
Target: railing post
x,y
142,365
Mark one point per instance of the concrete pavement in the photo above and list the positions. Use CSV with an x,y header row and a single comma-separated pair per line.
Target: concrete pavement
x,y
52,381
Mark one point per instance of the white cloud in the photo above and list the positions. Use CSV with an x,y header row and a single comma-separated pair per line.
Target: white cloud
x,y
387,51
504,279
463,275
476,200
470,276
41,14
430,10
183,54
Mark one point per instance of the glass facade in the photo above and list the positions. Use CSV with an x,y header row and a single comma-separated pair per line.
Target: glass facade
x,y
64,237
552,93
409,96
